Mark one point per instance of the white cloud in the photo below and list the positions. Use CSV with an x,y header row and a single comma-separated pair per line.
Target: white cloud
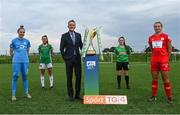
x,y
131,18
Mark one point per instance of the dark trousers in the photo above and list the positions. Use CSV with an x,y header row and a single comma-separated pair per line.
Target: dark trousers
x,y
74,63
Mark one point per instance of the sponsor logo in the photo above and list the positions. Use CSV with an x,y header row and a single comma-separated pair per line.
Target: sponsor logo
x,y
22,47
157,44
105,99
91,64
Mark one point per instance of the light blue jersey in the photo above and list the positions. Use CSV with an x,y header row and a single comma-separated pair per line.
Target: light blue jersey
x,y
20,47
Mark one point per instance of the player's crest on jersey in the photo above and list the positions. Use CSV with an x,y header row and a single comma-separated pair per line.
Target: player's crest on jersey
x,y
162,38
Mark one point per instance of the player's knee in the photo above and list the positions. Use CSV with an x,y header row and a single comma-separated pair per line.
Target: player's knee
x,y
49,72
24,77
165,79
15,76
155,75
155,78
117,73
126,73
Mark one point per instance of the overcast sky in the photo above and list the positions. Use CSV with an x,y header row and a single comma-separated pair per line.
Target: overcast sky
x,y
132,19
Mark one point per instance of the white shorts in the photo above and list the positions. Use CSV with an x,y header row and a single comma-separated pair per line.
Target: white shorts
x,y
44,66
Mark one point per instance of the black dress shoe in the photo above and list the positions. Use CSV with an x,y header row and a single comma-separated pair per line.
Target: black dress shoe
x,y
78,98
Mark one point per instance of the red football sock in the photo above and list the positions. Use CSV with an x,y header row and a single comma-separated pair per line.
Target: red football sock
x,y
167,88
154,87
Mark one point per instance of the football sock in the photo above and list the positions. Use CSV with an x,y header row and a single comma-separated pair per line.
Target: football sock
x,y
119,80
154,87
167,88
42,81
51,80
127,81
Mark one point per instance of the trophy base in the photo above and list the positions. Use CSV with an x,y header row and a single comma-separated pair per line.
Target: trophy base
x,y
90,53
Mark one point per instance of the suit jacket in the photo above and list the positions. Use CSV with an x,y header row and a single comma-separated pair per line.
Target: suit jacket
x,y
67,47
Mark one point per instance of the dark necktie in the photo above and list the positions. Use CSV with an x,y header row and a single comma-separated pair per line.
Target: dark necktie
x,y
73,39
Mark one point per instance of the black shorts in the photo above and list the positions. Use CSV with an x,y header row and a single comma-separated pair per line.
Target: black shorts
x,y
122,65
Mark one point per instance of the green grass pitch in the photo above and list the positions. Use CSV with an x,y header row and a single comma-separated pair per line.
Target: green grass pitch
x,y
55,101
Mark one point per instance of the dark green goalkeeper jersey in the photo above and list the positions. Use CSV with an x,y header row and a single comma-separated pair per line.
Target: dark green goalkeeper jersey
x,y
121,54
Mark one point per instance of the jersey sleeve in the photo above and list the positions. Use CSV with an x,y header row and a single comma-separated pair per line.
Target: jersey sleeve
x,y
39,48
128,49
28,44
51,47
168,39
12,44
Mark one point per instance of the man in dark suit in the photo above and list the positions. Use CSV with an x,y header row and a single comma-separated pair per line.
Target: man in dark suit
x,y
70,45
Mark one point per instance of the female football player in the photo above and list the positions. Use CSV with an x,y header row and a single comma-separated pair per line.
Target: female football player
x,y
19,49
161,47
45,52
122,52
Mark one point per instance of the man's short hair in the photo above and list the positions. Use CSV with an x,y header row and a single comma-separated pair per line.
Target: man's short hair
x,y
71,21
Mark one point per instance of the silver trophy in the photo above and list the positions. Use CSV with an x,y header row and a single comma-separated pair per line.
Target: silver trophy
x,y
88,48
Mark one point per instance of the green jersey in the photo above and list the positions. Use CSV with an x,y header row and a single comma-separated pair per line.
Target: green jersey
x,y
121,54
45,53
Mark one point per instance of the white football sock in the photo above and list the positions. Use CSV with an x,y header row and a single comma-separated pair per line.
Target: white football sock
x,y
42,81
51,80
